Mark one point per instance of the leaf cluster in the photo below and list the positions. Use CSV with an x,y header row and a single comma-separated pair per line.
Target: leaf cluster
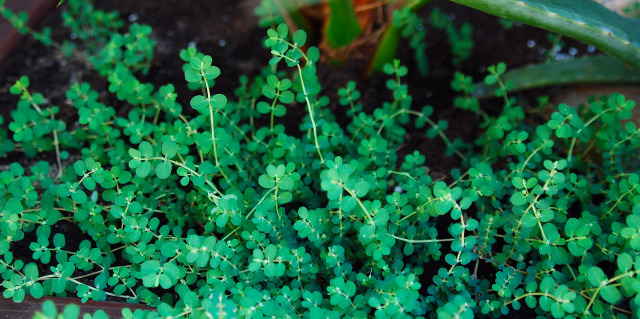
x,y
208,214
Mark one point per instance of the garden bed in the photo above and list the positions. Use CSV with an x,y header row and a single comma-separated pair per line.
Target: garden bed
x,y
228,32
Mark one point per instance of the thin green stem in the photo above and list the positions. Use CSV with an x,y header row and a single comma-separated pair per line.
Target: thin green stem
x,y
310,109
56,144
211,121
259,202
573,140
422,241
364,209
308,102
208,182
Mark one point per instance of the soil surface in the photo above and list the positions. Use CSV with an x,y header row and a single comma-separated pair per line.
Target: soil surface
x,y
228,31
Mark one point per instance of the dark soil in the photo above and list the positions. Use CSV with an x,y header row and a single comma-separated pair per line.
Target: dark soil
x,y
228,31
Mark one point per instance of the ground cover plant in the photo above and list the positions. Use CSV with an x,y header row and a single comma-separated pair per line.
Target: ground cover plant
x,y
212,205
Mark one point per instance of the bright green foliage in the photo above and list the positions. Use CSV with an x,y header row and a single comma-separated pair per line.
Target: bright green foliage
x,y
18,21
207,213
70,311
349,95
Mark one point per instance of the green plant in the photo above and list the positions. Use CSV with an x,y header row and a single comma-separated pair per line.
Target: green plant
x,y
71,311
219,209
598,69
589,22
343,28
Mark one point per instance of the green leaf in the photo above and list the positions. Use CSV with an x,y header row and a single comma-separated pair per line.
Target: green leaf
x,y
366,233
265,181
610,294
79,168
134,153
361,189
518,199
169,249
169,148
146,149
218,101
199,103
263,107
284,197
71,311
271,171
20,85
150,267
192,76
286,97
144,169
340,292
283,30
625,262
299,38
89,183
547,285
79,196
286,183
451,259
49,309
163,169
36,290
596,277
203,64
313,53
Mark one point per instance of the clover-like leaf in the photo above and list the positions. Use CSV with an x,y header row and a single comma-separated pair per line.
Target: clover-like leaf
x,y
300,38
341,292
163,169
218,101
611,294
169,148
199,103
